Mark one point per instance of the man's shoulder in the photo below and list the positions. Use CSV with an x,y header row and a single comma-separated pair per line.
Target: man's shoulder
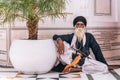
x,y
70,34
88,34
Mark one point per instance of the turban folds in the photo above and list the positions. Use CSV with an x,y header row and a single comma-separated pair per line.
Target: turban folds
x,y
80,18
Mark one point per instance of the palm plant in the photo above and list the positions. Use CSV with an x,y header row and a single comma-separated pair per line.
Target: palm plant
x,y
32,11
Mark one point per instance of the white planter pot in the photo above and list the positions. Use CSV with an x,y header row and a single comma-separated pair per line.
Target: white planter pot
x,y
33,56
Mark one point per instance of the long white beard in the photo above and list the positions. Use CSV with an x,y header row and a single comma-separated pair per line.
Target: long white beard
x,y
79,32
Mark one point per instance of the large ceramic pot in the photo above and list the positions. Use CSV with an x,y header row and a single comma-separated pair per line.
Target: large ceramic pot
x,y
33,56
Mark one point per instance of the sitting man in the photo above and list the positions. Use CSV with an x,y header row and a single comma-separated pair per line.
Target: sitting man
x,y
80,40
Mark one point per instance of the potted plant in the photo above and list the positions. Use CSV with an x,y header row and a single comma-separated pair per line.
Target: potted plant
x,y
36,57
32,11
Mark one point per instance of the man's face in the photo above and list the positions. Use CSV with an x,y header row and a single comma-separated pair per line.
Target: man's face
x,y
80,30
79,25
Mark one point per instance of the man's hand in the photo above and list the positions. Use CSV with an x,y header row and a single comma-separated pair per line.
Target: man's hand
x,y
60,46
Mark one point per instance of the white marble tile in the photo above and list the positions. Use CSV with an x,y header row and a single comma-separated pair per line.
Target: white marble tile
x,y
49,75
3,78
70,75
8,74
83,76
24,79
107,76
7,69
117,71
47,79
27,76
70,79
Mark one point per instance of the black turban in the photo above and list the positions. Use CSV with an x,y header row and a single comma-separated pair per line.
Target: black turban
x,y
80,18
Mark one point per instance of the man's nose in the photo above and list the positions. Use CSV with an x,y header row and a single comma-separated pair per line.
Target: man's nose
x,y
80,26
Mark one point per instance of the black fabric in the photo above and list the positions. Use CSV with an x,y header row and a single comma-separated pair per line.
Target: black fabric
x,y
79,45
80,18
59,68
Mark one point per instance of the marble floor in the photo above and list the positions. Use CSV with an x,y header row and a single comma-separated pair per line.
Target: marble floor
x,y
9,73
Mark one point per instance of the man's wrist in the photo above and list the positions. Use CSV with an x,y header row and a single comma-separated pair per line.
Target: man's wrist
x,y
59,40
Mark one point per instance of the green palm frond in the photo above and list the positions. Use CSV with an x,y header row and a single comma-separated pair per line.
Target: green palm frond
x,y
10,10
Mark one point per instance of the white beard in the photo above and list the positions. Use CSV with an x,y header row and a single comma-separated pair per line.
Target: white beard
x,y
79,32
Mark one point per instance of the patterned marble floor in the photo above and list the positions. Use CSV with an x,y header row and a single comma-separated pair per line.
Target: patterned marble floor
x,y
12,74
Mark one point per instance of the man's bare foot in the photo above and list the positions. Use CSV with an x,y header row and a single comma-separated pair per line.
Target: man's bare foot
x,y
68,70
65,71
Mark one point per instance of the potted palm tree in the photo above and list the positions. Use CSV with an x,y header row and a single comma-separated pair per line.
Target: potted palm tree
x,y
36,57
32,11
